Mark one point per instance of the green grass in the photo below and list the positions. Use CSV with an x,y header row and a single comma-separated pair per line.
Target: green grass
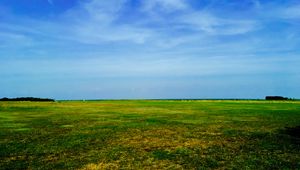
x,y
149,134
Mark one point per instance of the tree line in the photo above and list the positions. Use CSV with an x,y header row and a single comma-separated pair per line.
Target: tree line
x,y
277,98
33,99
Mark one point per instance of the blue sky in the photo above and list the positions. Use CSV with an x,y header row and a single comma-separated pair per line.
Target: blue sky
x,y
96,49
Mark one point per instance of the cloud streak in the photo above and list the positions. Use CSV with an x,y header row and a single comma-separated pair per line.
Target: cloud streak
x,y
50,2
99,22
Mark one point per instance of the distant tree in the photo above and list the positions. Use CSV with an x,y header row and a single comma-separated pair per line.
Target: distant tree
x,y
27,99
4,99
276,98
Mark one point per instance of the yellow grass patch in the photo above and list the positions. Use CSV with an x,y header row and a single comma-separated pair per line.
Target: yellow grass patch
x,y
101,166
148,164
154,139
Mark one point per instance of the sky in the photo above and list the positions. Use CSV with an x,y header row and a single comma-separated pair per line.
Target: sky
x,y
149,49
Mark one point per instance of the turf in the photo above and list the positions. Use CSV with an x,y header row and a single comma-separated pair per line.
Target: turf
x,y
150,134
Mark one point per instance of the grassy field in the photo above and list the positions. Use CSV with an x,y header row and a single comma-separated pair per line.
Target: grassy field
x,y
149,134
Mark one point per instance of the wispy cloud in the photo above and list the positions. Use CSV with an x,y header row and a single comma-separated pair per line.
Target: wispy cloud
x,y
164,5
98,22
50,2
257,4
291,12
208,23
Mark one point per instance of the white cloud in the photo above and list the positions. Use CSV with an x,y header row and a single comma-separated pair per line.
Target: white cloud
x,y
201,21
99,24
274,12
292,12
211,24
103,11
11,39
256,4
50,2
94,34
168,5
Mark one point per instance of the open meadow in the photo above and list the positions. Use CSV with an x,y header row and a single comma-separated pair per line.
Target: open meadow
x,y
150,134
